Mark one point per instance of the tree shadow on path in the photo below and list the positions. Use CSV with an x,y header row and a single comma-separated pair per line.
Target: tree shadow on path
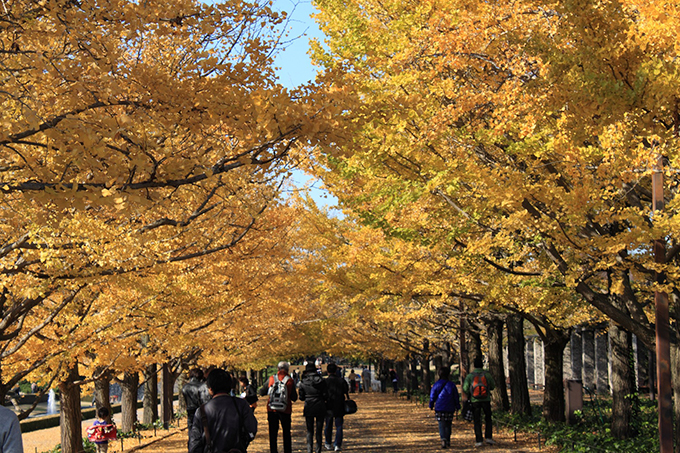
x,y
383,423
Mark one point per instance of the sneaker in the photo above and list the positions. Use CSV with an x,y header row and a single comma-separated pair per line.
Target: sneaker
x,y
479,444
329,447
444,444
490,441
337,448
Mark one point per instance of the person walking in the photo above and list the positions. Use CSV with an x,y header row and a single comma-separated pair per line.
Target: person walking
x,y
445,401
102,430
248,392
366,379
225,421
383,380
394,380
195,393
10,432
314,392
352,381
281,390
338,390
478,385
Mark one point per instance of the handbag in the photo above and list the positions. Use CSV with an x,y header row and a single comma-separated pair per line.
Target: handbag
x,y
466,412
350,406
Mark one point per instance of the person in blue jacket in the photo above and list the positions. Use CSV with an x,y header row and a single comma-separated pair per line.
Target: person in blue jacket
x,y
445,401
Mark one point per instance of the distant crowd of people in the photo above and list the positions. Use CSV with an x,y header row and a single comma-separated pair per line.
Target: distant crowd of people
x,y
224,418
220,409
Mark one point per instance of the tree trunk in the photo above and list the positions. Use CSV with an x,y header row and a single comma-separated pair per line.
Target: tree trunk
x,y
399,368
438,362
167,385
70,415
128,407
464,359
553,393
414,374
427,374
622,381
181,402
474,346
519,386
499,395
150,414
675,382
102,395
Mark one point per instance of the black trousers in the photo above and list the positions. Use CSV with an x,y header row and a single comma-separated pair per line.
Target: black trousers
x,y
274,418
477,408
312,423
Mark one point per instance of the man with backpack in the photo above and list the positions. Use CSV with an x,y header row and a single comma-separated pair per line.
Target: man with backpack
x,y
281,391
478,385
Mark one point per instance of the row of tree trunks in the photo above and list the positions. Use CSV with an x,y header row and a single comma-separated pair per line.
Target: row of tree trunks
x,y
70,408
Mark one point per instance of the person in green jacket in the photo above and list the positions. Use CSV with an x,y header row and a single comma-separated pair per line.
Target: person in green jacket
x,y
478,385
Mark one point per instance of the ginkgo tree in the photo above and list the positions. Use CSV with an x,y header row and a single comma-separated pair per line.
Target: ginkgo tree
x,y
520,132
133,136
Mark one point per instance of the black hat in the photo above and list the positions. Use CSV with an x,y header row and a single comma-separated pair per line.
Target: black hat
x,y
310,367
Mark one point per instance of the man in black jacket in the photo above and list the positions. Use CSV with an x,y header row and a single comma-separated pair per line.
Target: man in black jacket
x,y
313,391
338,390
224,416
195,393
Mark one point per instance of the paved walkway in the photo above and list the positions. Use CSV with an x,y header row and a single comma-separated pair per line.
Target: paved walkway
x,y
384,423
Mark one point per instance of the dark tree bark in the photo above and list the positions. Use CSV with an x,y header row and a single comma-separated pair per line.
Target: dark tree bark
x,y
464,358
167,385
102,394
553,394
499,395
427,374
622,381
128,407
150,414
474,345
675,382
438,362
181,402
70,416
414,374
399,367
519,385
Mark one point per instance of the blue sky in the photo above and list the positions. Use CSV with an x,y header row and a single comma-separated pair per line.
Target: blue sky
x,y
295,65
296,68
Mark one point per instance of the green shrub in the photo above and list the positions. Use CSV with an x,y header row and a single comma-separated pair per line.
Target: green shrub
x,y
591,432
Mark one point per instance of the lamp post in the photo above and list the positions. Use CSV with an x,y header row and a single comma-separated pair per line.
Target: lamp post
x,y
663,350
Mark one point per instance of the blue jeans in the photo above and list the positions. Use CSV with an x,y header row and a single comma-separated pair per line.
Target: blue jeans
x,y
445,429
338,430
